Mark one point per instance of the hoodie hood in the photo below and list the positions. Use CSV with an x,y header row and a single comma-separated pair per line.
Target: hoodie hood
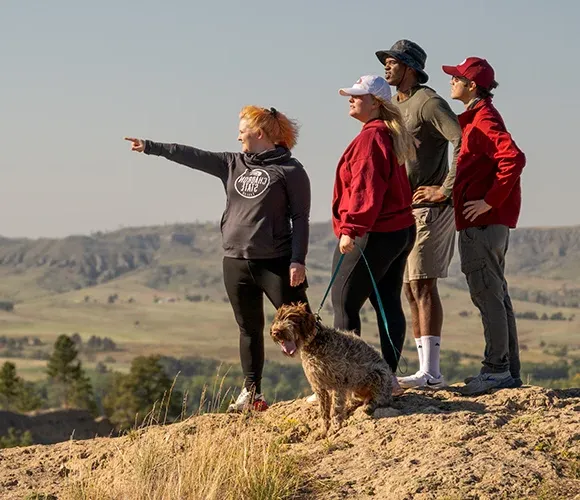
x,y
277,156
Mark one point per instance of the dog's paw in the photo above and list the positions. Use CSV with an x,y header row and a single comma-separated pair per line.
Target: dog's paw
x,y
369,409
352,407
359,414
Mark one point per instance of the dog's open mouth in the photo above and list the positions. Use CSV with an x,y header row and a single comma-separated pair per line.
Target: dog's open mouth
x,y
288,347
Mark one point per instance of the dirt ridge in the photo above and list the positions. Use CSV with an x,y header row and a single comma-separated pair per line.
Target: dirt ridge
x,y
522,443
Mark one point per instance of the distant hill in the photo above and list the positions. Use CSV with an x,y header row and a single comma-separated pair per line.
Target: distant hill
x,y
183,255
548,253
55,426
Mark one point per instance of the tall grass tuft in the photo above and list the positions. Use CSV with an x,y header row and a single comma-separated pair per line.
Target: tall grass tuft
x,y
207,457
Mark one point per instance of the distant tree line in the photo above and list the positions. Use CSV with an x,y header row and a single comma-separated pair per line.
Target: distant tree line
x,y
94,344
532,315
6,306
19,342
22,347
564,297
559,298
15,438
159,389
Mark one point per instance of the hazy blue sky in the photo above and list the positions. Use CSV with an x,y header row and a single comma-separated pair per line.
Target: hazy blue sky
x,y
75,78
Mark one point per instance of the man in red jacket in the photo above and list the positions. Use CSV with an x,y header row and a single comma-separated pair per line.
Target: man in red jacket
x,y
487,196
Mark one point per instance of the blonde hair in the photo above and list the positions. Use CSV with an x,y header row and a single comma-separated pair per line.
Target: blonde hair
x,y
403,141
280,129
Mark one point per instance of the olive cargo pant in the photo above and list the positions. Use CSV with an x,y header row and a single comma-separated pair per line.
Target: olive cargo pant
x,y
482,251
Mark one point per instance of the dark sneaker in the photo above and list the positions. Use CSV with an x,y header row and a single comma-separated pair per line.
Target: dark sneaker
x,y
485,382
516,383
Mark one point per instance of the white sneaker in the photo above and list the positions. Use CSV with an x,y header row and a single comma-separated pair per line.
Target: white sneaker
x,y
436,383
246,402
421,379
313,398
415,380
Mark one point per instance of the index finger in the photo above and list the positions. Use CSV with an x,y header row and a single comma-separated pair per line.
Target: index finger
x,y
132,139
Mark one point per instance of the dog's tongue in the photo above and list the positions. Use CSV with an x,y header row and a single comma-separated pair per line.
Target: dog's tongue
x,y
288,347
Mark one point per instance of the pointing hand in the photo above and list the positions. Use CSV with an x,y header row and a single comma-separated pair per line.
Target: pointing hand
x,y
136,144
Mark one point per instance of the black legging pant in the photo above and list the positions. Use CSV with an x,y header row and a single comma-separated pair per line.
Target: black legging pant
x,y
246,282
387,255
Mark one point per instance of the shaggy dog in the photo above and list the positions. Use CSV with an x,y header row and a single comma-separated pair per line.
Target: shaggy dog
x,y
335,362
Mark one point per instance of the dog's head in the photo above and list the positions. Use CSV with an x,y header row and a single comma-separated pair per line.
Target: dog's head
x,y
293,326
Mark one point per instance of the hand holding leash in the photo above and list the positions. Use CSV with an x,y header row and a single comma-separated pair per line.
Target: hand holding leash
x,y
346,244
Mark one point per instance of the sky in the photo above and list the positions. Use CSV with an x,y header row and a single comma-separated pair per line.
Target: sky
x,y
76,77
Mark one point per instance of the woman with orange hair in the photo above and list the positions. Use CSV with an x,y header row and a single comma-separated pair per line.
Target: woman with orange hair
x,y
264,227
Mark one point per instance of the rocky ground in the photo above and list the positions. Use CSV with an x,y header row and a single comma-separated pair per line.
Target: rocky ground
x,y
514,443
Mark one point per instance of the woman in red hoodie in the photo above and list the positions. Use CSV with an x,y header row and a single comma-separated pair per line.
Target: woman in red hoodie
x,y
372,207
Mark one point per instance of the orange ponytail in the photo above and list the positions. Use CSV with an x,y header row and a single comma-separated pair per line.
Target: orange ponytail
x,y
280,129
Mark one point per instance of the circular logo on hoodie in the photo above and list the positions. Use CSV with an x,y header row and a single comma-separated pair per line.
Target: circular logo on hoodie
x,y
252,183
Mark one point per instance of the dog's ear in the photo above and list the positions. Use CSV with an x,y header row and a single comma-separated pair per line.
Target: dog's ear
x,y
307,320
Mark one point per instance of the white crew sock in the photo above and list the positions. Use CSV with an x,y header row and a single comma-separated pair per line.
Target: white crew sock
x,y
431,349
420,353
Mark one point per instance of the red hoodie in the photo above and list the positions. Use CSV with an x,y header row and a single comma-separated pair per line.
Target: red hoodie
x,y
489,166
371,190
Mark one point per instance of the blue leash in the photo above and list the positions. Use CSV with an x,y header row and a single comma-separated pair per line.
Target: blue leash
x,y
379,301
334,275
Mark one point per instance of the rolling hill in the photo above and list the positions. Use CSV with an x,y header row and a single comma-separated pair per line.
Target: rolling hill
x,y
186,257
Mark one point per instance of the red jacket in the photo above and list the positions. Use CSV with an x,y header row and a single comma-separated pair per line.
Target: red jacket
x,y
489,166
371,190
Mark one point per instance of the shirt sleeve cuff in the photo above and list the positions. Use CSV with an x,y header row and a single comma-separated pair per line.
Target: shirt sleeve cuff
x,y
446,191
152,148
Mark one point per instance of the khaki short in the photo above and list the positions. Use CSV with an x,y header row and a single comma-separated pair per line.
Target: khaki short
x,y
433,250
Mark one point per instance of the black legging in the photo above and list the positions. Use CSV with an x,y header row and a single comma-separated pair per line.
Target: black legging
x,y
246,281
387,255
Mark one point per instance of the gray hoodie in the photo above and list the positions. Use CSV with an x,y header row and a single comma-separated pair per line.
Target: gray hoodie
x,y
267,199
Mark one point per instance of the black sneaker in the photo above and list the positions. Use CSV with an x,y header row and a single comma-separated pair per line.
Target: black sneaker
x,y
517,382
485,382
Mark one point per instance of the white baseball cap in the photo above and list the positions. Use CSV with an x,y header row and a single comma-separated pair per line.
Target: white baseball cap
x,y
369,84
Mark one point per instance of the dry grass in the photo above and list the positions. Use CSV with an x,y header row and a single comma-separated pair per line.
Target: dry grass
x,y
227,462
205,457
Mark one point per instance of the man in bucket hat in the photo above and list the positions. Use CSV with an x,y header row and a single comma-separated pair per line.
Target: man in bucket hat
x,y
487,197
434,125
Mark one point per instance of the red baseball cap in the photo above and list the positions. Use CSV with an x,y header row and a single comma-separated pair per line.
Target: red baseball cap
x,y
475,69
